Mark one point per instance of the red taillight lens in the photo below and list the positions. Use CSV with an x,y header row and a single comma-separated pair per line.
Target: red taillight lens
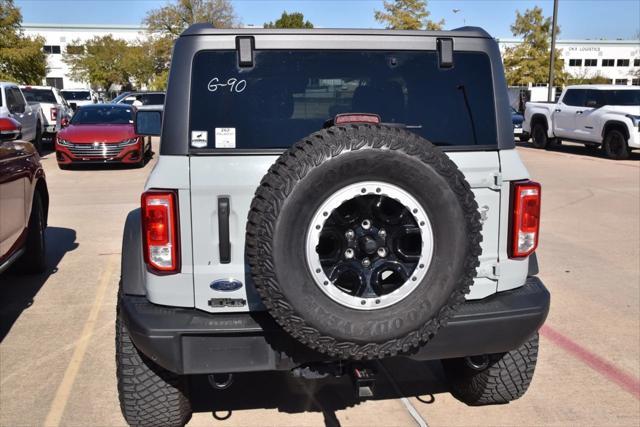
x,y
160,231
54,113
345,118
525,223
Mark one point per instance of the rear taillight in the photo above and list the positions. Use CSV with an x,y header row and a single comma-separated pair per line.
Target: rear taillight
x,y
160,231
525,222
54,113
9,127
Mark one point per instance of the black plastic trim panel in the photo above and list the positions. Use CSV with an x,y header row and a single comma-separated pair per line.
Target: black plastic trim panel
x,y
188,341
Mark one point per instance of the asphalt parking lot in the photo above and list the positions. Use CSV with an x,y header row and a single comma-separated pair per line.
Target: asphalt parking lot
x,y
57,331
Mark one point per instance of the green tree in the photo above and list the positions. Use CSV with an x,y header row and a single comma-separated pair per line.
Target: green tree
x,y
528,62
167,23
22,59
290,20
103,62
173,19
584,78
407,15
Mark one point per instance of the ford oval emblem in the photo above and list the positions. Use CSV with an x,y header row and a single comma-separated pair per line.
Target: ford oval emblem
x,y
226,285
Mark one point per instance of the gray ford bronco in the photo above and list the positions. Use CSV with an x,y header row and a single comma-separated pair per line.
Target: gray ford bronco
x,y
324,199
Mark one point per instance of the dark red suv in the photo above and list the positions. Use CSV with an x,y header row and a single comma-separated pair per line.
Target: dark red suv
x,y
24,202
101,133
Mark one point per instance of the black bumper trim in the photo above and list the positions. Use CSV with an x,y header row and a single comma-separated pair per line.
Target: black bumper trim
x,y
189,341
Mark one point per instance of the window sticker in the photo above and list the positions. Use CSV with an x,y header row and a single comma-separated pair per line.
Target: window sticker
x,y
225,137
199,138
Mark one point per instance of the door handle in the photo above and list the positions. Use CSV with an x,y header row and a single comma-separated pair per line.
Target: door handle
x,y
558,110
579,112
223,230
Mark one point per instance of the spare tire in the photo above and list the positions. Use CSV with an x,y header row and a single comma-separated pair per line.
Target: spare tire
x,y
362,240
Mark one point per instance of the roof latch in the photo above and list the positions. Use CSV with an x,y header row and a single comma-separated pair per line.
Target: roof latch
x,y
445,52
245,45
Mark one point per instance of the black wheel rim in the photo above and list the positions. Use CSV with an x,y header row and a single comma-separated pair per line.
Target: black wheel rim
x,y
369,248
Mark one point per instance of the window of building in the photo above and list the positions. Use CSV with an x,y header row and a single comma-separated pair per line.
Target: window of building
x,y
608,62
575,63
56,82
623,62
621,81
636,62
635,82
51,48
75,50
590,62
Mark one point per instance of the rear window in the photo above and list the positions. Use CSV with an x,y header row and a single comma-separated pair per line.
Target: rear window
x,y
76,95
153,99
39,95
287,95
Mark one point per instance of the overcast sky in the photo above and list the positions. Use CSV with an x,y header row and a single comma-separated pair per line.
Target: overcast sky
x,y
578,19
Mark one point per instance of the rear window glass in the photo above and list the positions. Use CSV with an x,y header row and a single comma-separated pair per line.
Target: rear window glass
x,y
153,99
39,95
76,95
287,95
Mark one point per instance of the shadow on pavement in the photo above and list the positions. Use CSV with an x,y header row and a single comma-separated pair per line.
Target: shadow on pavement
x,y
18,290
580,149
284,392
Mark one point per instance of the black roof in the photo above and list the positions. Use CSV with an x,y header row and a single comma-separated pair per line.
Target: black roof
x,y
208,29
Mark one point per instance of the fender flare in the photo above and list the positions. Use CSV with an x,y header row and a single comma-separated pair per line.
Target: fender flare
x,y
615,124
132,262
542,117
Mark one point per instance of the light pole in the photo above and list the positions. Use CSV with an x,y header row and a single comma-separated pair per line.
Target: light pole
x,y
553,51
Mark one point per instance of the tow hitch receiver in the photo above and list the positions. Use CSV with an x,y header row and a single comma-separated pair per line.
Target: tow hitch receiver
x,y
364,380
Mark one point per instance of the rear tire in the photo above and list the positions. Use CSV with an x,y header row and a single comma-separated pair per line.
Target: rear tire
x,y
149,395
506,377
539,137
34,260
615,145
524,137
37,141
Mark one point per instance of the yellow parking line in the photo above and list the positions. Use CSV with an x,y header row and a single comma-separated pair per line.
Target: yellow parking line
x,y
64,389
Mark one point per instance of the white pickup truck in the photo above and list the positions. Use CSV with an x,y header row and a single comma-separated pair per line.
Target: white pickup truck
x,y
604,116
14,105
54,107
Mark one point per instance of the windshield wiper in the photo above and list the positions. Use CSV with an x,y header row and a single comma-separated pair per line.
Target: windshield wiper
x,y
469,112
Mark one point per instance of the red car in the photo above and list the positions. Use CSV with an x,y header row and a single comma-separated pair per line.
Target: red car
x,y
101,133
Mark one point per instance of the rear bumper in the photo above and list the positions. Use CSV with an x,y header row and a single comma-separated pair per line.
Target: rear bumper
x,y
188,341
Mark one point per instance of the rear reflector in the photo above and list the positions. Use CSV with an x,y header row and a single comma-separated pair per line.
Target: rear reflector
x,y
160,231
525,222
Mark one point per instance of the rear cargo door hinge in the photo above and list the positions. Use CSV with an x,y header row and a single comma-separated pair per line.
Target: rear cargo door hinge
x,y
490,270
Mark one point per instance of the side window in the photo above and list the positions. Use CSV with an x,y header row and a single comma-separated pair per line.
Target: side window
x,y
596,98
574,98
15,102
